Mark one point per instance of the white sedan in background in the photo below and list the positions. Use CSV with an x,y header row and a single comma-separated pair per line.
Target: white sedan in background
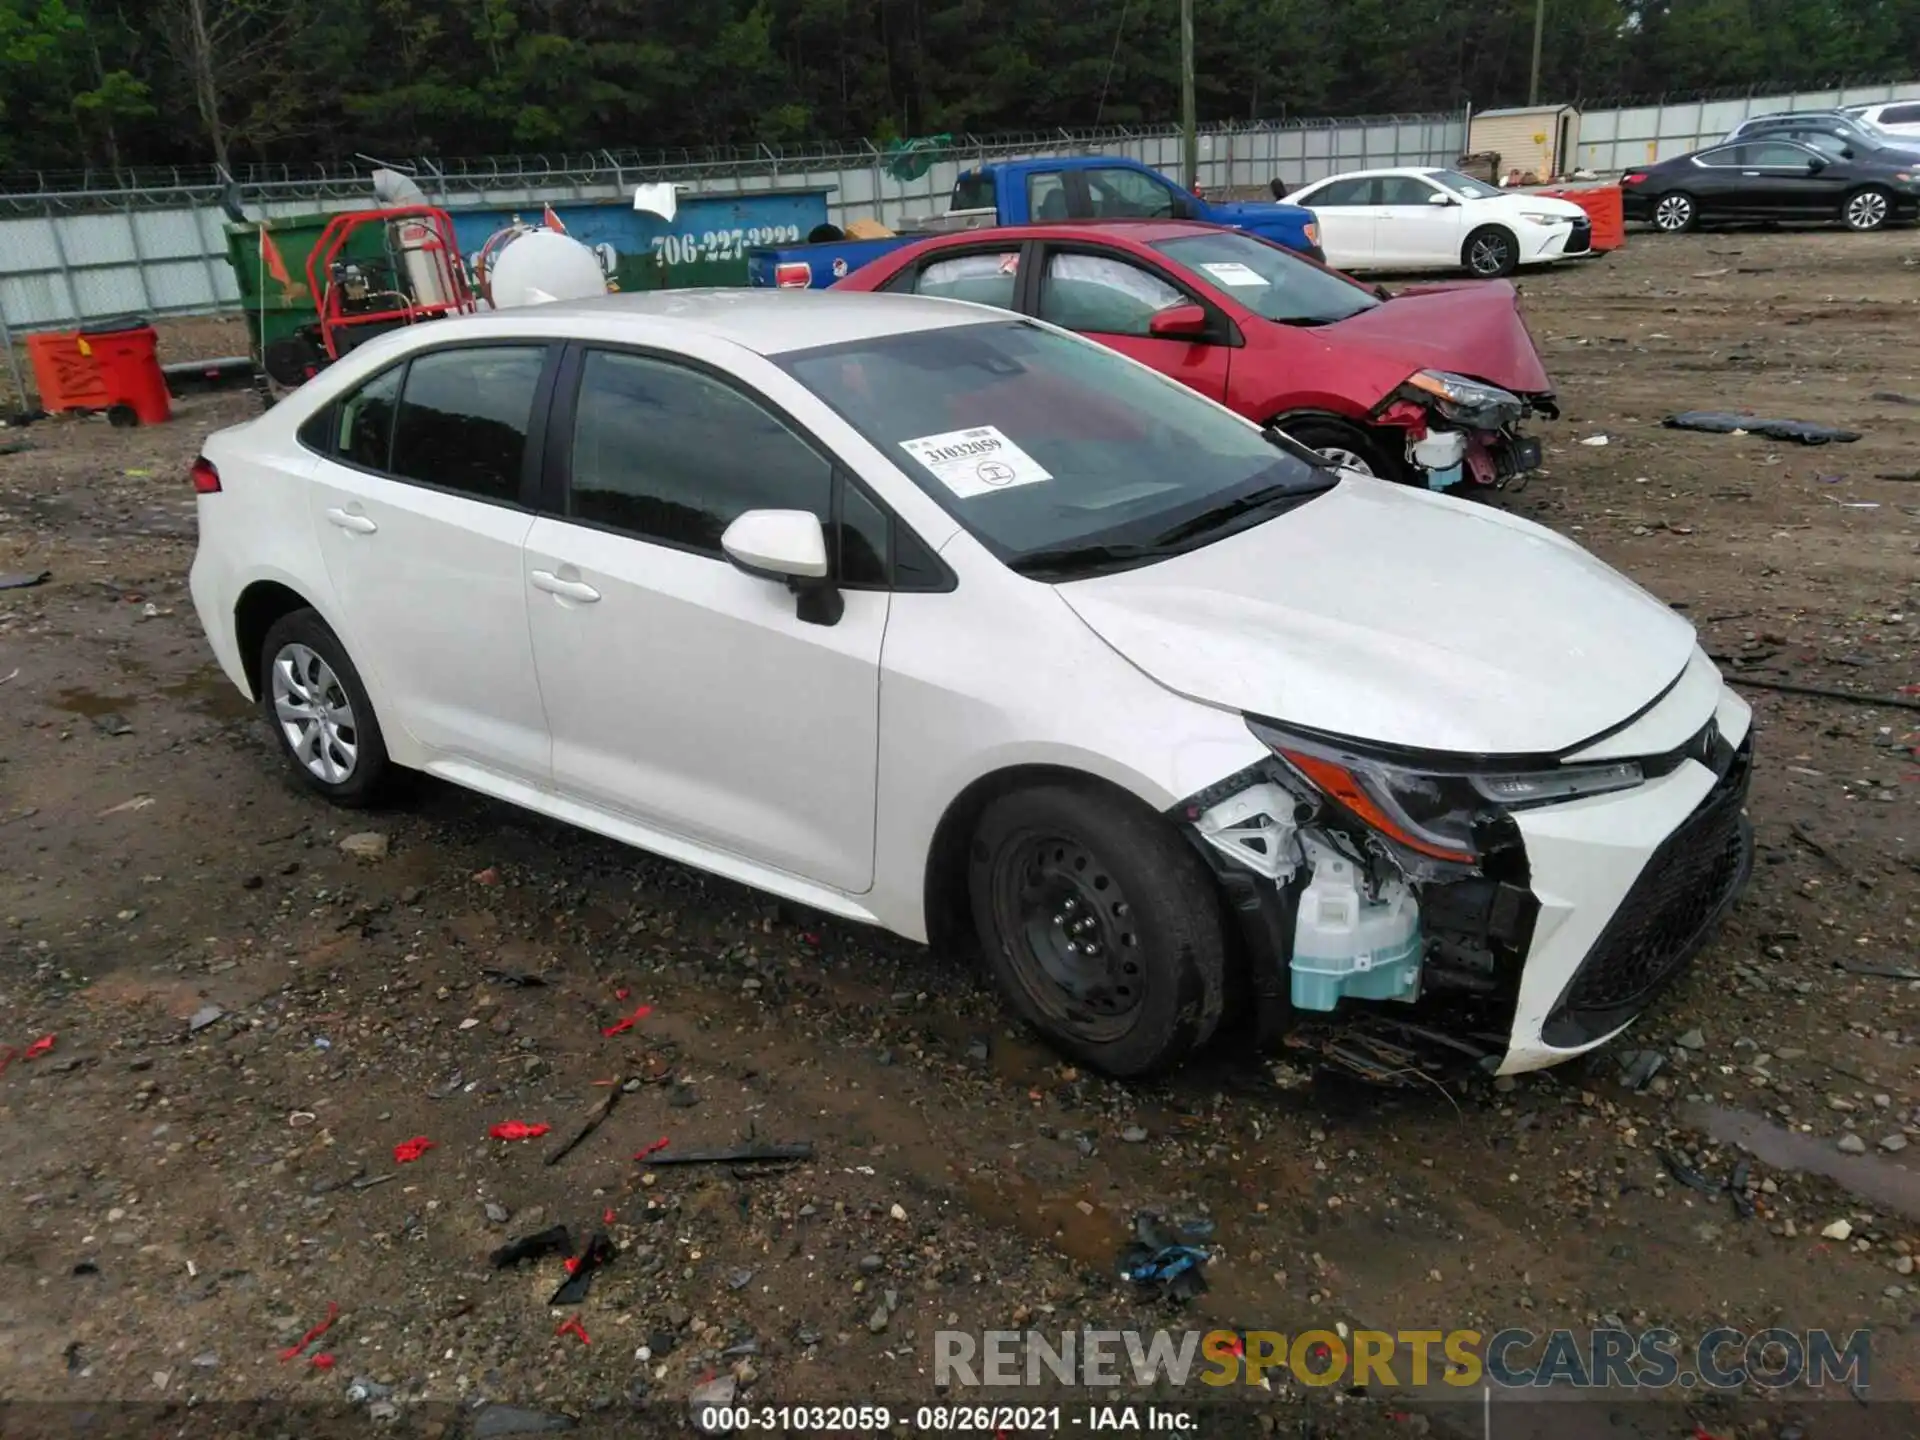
x,y
1420,219
932,617
1896,117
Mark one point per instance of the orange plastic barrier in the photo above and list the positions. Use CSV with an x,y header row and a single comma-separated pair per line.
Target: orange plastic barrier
x,y
1603,207
65,375
129,370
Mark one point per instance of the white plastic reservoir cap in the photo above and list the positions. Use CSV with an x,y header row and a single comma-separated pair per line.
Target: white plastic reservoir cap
x,y
541,266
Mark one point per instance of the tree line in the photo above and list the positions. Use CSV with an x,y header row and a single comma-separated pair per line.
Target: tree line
x,y
114,84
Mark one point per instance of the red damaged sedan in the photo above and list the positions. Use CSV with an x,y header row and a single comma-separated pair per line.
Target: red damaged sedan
x,y
1428,386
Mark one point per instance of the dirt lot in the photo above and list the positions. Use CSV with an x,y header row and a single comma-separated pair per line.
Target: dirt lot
x,y
248,1019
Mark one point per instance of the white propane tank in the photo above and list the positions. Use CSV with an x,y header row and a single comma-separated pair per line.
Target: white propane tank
x,y
422,252
543,265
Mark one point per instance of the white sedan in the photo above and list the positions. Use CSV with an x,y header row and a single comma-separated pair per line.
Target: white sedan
x,y
929,616
1414,219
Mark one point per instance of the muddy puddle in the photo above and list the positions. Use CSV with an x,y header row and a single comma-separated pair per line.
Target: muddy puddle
x,y
1884,1182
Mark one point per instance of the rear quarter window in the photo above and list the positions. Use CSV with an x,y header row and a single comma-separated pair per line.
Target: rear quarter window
x,y
972,192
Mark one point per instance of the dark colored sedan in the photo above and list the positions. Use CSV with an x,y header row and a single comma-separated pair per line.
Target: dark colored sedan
x,y
1773,180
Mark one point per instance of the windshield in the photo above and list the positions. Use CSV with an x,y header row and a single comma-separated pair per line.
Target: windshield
x,y
1466,185
1268,280
1041,444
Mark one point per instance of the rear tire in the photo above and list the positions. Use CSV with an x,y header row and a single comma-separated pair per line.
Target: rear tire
x,y
1346,444
317,707
1675,213
1867,209
1102,927
1490,253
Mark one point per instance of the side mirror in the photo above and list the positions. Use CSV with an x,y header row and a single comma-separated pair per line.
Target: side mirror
x,y
1179,322
1818,163
1436,198
790,547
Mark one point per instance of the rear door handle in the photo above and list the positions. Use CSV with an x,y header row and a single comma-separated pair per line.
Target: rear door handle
x,y
347,520
566,589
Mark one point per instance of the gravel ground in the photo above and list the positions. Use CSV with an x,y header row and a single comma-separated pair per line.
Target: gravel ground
x,y
249,1016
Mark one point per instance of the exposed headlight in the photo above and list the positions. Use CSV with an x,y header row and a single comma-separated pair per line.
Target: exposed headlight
x,y
1433,812
1540,217
1471,403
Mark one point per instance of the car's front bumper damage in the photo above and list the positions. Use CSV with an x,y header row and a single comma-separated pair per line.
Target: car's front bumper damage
x,y
1575,917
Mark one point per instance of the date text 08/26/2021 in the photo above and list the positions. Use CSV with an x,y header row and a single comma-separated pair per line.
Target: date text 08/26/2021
x,y
1000,1420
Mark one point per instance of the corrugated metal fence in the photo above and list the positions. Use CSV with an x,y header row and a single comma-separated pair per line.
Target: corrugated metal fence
x,y
81,253
72,251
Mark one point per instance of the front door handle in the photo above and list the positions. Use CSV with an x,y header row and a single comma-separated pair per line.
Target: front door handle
x,y
347,520
566,589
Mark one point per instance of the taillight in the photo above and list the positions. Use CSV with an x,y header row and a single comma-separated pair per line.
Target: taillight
x,y
1634,179
793,275
206,479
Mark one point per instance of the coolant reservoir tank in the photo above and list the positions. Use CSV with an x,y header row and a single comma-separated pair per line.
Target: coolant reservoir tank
x,y
544,265
1345,945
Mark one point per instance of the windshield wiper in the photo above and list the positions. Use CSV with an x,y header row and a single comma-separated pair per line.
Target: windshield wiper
x,y
1080,557
1246,504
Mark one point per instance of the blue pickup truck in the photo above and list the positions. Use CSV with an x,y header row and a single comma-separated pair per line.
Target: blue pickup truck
x,y
1022,192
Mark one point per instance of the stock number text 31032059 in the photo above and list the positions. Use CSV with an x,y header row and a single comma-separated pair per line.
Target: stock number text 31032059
x,y
720,244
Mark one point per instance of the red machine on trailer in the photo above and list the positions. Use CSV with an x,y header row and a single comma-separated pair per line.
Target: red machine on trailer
x,y
419,277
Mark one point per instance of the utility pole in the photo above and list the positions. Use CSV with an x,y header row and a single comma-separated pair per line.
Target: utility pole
x,y
1539,28
1189,123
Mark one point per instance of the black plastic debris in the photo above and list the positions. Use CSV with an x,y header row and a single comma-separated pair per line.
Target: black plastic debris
x,y
554,1240
521,979
1737,1182
1722,422
1164,1257
1687,1175
600,1249
86,1267
24,579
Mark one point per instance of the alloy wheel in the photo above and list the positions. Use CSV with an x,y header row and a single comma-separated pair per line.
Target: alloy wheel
x,y
1072,934
1345,459
315,714
1490,255
1673,213
1867,211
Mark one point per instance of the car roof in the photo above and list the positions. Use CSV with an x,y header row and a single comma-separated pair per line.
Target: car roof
x,y
1416,170
765,321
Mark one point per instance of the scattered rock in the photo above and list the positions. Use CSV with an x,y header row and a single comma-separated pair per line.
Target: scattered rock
x,y
203,1017
1893,1144
498,1213
1134,1134
1838,1230
877,1321
1692,1040
1851,1144
365,845
871,1264
716,1394
497,1420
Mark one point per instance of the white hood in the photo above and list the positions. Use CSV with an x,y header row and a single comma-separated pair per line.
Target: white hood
x,y
1389,614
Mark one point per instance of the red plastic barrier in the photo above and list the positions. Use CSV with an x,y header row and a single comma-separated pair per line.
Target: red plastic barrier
x,y
1603,206
65,376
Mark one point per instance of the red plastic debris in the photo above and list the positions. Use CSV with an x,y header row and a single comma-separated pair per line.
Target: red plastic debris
x,y
322,1361
333,1314
607,1219
572,1326
656,1146
627,1022
408,1151
518,1130
37,1048
810,937
621,994
488,876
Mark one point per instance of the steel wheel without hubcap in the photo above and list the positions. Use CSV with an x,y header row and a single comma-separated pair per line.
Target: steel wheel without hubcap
x,y
315,714
1070,931
1673,214
1867,210
1490,254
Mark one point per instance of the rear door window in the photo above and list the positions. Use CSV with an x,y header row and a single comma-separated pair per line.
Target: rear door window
x,y
986,278
464,418
1047,196
1342,193
1900,115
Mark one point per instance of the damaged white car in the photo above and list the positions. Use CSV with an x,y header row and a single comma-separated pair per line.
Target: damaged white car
x,y
952,622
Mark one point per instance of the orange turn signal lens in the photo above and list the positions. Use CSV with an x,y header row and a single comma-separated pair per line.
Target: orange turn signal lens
x,y
1339,784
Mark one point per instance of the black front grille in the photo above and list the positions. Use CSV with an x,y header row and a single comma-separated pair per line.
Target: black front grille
x,y
1685,888
1580,239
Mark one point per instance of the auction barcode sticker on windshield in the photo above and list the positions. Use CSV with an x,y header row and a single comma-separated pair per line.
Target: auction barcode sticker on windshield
x,y
1232,272
976,462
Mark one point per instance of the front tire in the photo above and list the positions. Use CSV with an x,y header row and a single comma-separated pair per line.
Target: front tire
x,y
317,708
1867,209
1491,252
1345,445
1675,213
1102,928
